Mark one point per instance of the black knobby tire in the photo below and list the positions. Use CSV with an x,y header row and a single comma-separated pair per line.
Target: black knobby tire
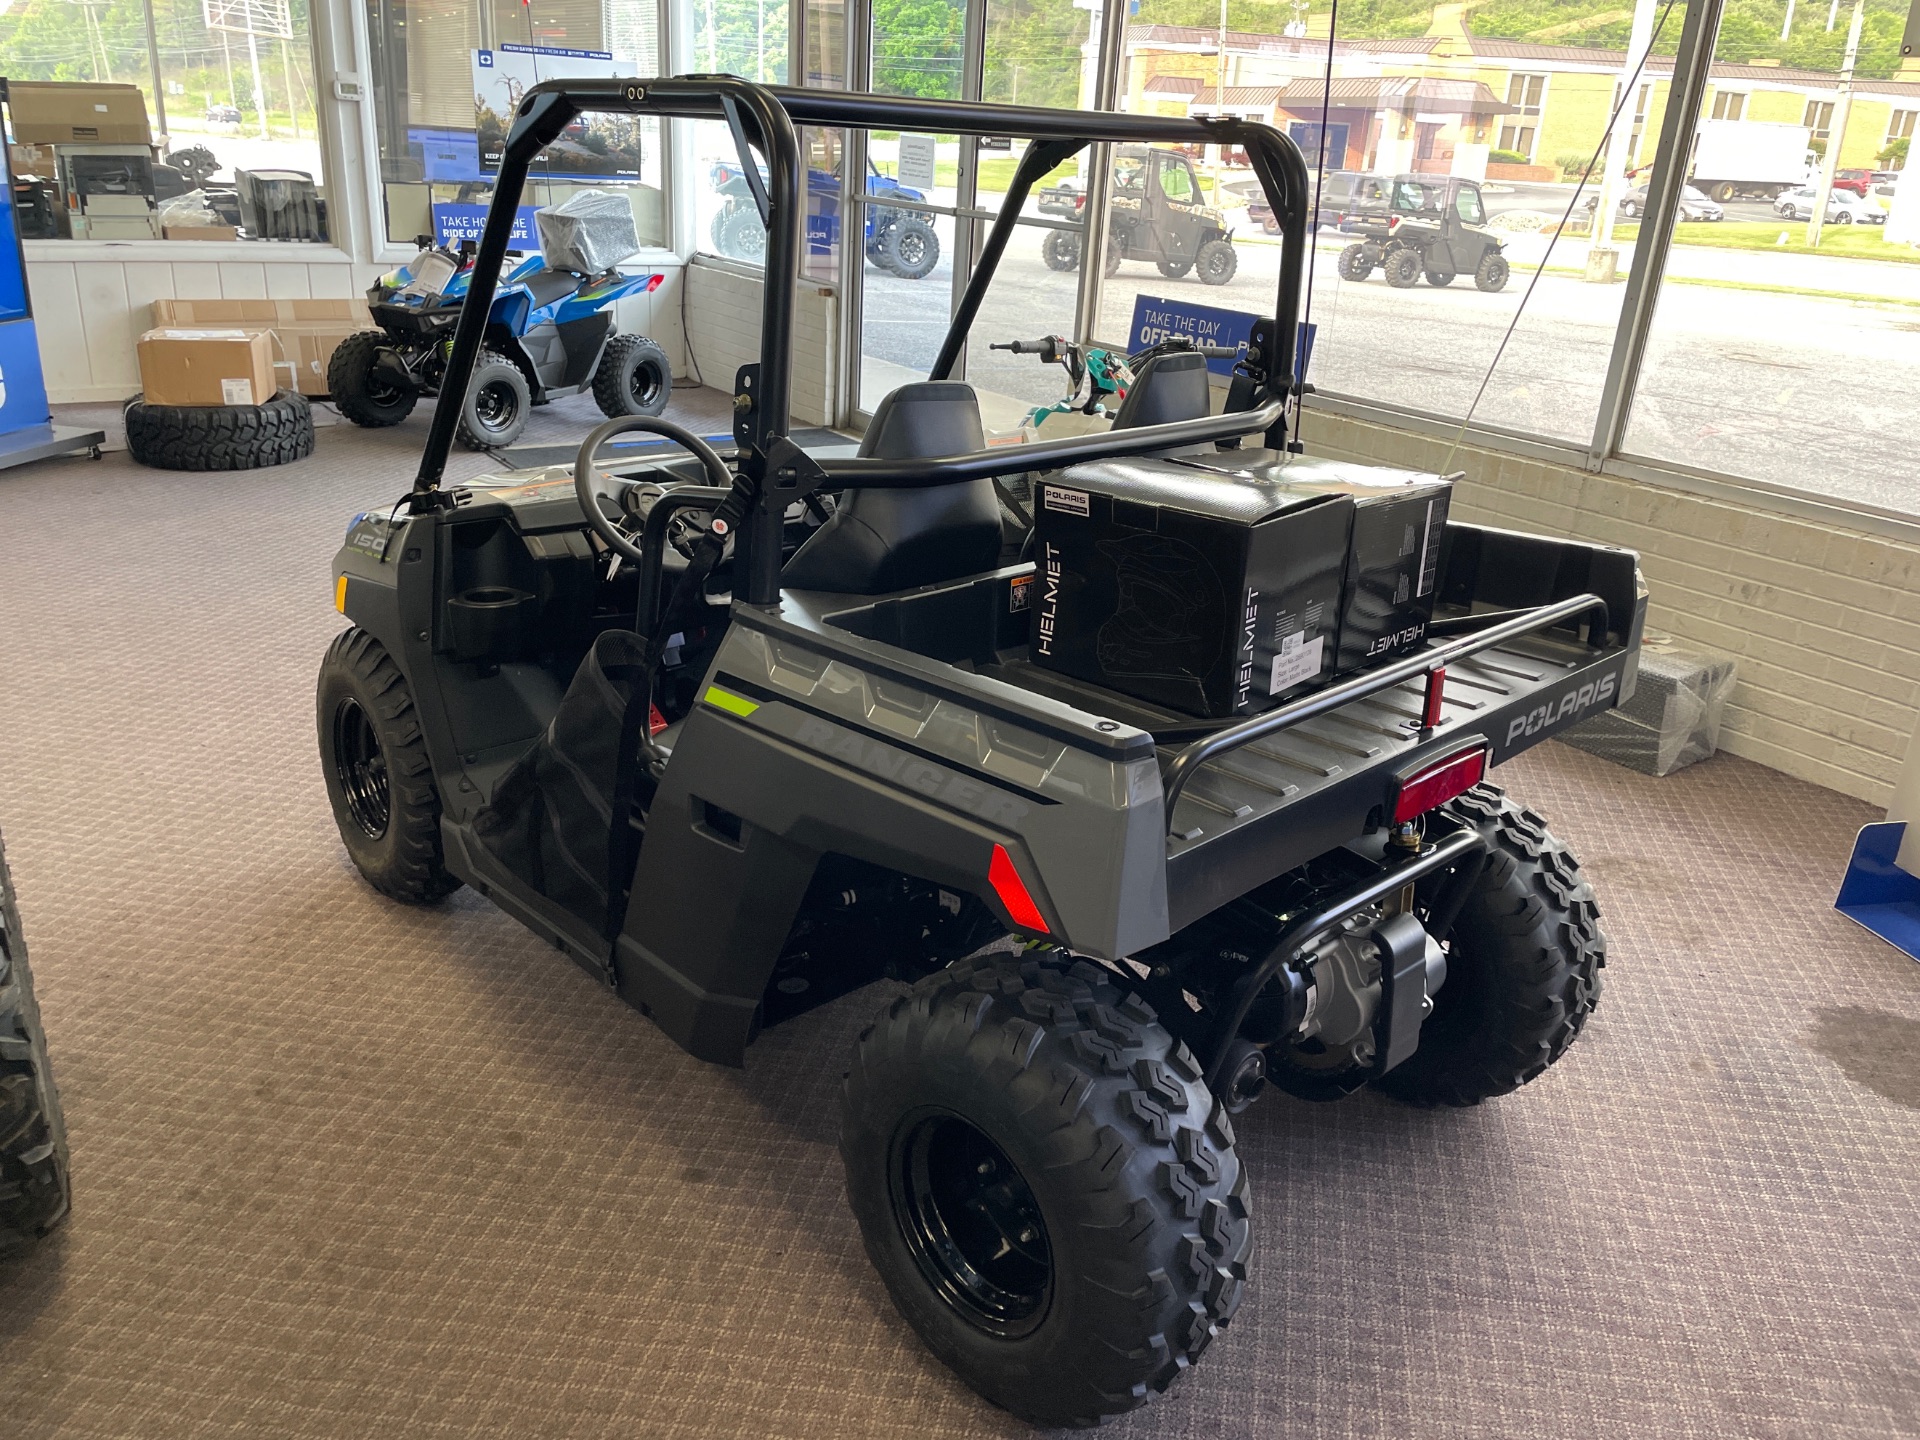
x,y
357,392
1356,262
744,237
634,378
717,230
1123,1236
1060,250
1173,269
1114,257
1402,268
35,1192
1523,965
910,248
1491,273
220,437
1216,262
379,781
494,411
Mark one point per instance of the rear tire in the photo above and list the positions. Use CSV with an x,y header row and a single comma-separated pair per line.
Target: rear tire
x,y
1356,262
220,437
1492,272
1216,262
380,783
1402,269
1060,250
1092,1238
1523,965
35,1191
634,378
494,410
355,390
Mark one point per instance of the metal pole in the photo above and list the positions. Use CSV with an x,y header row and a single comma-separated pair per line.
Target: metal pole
x,y
153,65
1613,167
1836,126
1093,237
1691,67
259,89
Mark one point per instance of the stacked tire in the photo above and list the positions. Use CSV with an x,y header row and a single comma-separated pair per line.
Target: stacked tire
x,y
220,437
34,1191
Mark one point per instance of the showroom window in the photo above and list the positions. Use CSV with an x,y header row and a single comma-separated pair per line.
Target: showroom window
x,y
179,121
1777,360
447,77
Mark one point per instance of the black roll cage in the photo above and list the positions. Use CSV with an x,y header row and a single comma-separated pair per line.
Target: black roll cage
x,y
764,118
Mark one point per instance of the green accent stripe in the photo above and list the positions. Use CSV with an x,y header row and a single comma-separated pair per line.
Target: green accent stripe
x,y
729,702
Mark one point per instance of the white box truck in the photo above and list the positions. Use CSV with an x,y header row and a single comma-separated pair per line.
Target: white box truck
x,y
1757,158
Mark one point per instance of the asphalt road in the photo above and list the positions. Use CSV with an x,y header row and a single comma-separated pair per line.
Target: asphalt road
x,y
1796,390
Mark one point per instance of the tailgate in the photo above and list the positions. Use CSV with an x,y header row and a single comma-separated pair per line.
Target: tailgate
x,y
1533,635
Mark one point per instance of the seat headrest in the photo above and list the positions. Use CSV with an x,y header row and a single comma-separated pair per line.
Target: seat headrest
x,y
925,420
1169,387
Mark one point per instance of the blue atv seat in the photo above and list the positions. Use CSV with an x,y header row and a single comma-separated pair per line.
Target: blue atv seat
x,y
884,540
1168,388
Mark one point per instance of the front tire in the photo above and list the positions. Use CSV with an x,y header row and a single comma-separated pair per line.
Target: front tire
x,y
1523,965
1356,262
1492,272
1046,1185
35,1191
356,392
910,248
494,410
1217,262
374,758
634,378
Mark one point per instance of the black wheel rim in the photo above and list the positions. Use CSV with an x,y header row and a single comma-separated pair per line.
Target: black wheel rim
x,y
912,248
644,383
361,768
496,406
972,1224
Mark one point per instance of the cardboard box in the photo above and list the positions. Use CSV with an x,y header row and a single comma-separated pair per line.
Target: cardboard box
x,y
1208,594
31,160
1399,519
181,366
113,227
200,232
306,332
49,112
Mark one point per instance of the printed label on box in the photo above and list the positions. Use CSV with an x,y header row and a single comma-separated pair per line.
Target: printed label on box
x,y
237,392
1068,502
1020,595
1299,659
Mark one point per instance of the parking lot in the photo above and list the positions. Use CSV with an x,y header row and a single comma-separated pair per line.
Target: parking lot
x,y
1756,360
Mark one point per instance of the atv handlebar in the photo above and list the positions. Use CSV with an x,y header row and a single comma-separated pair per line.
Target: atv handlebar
x,y
1047,347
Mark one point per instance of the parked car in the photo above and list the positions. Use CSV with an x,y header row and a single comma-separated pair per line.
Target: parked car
x,y
1858,181
1843,207
1694,204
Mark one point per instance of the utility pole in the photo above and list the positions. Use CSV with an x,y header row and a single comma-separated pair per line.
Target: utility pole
x,y
1837,126
1786,26
1602,258
1220,95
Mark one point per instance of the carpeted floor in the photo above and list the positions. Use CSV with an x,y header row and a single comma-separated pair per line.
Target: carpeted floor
x,y
349,1169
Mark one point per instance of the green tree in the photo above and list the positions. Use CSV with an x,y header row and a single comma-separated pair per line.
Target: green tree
x,y
916,48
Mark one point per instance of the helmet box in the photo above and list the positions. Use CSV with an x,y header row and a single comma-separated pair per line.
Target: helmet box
x,y
1399,524
1207,594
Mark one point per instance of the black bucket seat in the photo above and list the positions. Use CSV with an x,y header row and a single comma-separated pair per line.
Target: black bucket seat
x,y
881,540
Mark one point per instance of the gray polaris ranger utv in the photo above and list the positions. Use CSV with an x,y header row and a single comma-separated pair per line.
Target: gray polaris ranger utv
x,y
741,732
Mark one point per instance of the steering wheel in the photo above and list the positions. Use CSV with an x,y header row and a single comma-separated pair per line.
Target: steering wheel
x,y
709,458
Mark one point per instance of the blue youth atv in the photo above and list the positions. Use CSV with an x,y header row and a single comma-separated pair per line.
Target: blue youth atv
x,y
550,334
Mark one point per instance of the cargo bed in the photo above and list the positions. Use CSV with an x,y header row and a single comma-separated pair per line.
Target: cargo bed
x,y
1548,634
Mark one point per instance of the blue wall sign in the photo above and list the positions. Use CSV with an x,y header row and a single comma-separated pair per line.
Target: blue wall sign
x,y
1156,318
453,223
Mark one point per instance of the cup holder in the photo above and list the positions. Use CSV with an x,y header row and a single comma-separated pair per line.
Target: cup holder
x,y
490,622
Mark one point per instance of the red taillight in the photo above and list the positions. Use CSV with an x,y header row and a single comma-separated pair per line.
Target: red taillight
x,y
1437,784
1012,891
